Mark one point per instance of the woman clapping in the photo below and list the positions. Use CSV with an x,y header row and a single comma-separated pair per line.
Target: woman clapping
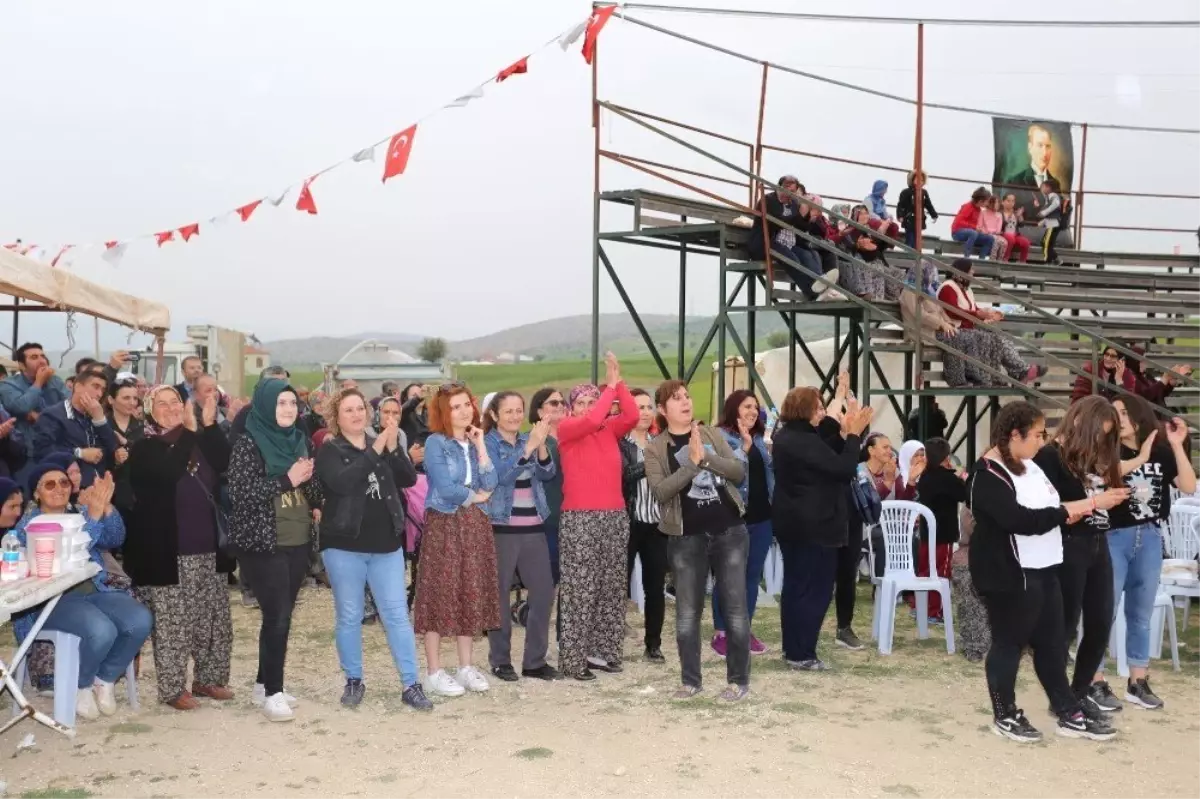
x,y
171,549
362,538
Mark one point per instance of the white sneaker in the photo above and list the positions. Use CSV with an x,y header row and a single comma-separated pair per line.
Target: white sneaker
x,y
260,695
85,704
106,699
276,708
443,684
473,679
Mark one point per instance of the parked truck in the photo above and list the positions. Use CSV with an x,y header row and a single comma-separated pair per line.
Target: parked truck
x,y
222,351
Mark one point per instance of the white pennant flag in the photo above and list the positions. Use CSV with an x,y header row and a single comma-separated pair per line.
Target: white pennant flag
x,y
220,221
570,37
114,254
365,154
275,201
461,102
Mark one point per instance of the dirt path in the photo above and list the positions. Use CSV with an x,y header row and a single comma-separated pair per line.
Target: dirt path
x,y
914,724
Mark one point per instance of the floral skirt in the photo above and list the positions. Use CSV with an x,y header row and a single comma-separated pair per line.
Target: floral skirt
x,y
456,584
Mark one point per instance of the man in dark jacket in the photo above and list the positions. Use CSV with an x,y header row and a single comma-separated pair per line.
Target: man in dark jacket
x,y
79,427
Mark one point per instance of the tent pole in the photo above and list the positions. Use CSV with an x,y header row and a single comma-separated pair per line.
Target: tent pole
x,y
16,314
160,366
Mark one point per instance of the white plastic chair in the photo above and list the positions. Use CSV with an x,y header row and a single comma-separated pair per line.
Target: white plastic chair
x,y
898,520
66,676
1163,613
635,585
1181,537
773,570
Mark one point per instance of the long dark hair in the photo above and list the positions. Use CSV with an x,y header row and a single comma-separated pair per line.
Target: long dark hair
x,y
729,414
1142,416
1015,417
538,400
1084,446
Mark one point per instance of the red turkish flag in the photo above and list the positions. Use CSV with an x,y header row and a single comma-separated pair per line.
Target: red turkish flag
x,y
60,254
519,68
187,231
305,201
595,25
164,237
397,155
247,209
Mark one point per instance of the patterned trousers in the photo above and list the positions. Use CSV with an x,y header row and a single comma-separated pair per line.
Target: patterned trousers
x,y
593,547
983,345
192,619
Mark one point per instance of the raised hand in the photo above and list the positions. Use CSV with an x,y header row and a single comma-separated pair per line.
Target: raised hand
x,y
695,445
92,455
1177,431
843,386
612,370
208,411
917,468
189,416
744,432
300,472
1147,445
92,407
43,376
416,453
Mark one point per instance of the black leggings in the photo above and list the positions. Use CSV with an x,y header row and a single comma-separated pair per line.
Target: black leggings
x,y
1029,618
848,558
647,541
1086,577
275,579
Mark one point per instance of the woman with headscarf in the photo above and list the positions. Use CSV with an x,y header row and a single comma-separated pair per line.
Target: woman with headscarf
x,y
456,586
273,495
594,533
172,550
111,624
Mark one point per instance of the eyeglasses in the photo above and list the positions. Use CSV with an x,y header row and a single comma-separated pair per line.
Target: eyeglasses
x,y
553,403
59,484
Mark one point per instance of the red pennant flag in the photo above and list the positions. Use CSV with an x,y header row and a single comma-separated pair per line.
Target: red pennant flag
x,y
595,25
397,154
519,68
65,247
110,245
164,237
247,209
187,231
305,201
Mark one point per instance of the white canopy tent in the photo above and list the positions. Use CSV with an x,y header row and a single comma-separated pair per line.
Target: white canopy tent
x,y
63,290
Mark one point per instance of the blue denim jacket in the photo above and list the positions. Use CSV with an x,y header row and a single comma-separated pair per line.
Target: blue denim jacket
x,y
509,463
446,471
735,443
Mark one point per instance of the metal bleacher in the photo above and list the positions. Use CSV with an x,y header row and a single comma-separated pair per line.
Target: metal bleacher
x,y
1149,300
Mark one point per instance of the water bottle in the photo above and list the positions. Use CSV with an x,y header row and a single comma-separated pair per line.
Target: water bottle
x,y
11,553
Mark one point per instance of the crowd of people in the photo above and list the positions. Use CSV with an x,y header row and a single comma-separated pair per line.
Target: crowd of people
x,y
552,504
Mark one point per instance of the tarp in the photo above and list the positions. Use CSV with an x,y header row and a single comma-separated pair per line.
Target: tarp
x,y
28,279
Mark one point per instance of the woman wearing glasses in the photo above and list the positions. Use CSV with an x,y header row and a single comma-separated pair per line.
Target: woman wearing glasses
x,y
456,586
171,551
594,536
547,403
123,405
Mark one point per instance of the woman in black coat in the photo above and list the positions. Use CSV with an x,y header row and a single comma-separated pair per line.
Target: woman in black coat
x,y
809,515
172,547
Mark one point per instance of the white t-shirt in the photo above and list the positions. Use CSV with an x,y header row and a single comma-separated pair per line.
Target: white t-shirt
x,y
466,454
1035,491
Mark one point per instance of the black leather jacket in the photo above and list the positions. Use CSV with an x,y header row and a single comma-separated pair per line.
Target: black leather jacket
x,y
342,470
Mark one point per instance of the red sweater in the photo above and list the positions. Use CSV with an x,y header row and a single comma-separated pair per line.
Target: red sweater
x,y
589,455
953,294
966,218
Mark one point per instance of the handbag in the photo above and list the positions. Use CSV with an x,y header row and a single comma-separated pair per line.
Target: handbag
x,y
220,518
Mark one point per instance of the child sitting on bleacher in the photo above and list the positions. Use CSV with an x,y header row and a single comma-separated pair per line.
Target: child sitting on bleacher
x,y
1013,217
1050,212
991,222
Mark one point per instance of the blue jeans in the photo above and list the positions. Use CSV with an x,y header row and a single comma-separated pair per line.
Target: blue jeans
x,y
692,557
1137,554
111,625
972,238
802,255
349,575
760,547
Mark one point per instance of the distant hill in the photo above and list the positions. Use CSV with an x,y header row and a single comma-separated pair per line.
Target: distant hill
x,y
563,338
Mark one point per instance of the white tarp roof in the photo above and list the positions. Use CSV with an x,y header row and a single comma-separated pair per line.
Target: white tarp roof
x,y
28,279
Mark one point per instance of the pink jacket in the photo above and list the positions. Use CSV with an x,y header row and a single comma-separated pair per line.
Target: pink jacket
x,y
591,459
991,221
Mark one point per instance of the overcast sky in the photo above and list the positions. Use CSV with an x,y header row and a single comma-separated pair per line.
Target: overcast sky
x,y
127,118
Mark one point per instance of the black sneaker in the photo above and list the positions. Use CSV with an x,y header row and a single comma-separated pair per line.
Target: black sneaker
x,y
414,697
654,655
1016,727
1078,725
505,672
353,695
611,667
1100,697
587,675
847,638
545,672
816,664
1138,692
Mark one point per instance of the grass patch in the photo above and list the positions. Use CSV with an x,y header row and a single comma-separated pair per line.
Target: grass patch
x,y
57,793
534,753
130,728
900,790
796,708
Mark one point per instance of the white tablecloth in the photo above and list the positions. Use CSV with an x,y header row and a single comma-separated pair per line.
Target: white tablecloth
x,y
31,592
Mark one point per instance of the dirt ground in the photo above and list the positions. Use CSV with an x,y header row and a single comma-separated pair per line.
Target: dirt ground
x,y
914,724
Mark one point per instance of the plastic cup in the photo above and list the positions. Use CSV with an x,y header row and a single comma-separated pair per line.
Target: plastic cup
x,y
44,564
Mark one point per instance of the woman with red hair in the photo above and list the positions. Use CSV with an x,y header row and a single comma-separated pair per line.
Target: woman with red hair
x,y
743,427
594,528
456,585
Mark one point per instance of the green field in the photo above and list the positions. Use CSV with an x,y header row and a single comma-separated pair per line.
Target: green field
x,y
639,372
